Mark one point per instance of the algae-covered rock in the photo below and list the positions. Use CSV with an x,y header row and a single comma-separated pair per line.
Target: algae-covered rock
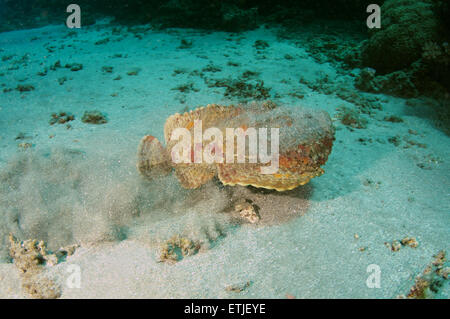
x,y
406,26
30,257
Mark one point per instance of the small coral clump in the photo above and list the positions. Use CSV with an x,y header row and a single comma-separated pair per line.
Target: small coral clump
x,y
134,71
29,257
336,49
61,118
25,88
397,244
393,119
260,45
25,146
74,67
241,89
351,118
248,90
107,69
94,117
238,288
248,212
409,241
176,248
394,246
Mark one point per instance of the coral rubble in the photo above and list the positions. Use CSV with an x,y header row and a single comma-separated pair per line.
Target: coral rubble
x,y
177,247
29,257
247,211
395,245
407,25
430,281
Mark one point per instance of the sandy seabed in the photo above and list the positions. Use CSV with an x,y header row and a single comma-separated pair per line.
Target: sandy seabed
x,y
80,185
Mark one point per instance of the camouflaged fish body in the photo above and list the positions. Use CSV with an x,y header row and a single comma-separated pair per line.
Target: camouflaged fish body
x,y
305,142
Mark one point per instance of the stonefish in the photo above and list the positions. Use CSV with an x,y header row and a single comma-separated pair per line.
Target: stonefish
x,y
303,140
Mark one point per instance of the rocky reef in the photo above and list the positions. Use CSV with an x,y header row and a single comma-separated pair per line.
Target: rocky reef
x,y
409,54
406,26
